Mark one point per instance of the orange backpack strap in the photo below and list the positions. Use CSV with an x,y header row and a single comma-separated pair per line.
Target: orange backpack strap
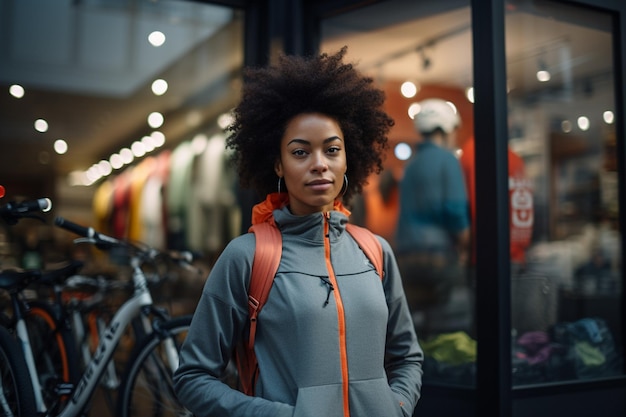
x,y
269,249
269,246
369,244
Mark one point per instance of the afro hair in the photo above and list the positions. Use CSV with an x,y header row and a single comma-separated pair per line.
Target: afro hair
x,y
274,95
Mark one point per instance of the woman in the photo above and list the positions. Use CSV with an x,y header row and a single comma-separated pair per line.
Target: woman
x,y
331,339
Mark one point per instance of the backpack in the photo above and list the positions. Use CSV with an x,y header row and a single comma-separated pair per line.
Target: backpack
x,y
266,260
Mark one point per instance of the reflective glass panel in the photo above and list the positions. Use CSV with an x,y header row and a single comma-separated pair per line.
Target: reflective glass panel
x,y
417,52
565,241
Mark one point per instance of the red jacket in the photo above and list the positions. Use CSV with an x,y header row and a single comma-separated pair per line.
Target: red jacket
x,y
520,200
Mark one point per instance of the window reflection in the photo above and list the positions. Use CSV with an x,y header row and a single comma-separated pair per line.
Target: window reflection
x,y
565,244
565,296
417,53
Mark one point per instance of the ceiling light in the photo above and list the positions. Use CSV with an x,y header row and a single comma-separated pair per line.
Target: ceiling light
x,y
148,143
402,151
155,119
116,161
566,126
159,87
543,74
408,89
156,38
414,108
138,149
469,93
127,155
60,146
608,117
16,91
159,138
583,123
104,167
41,125
225,119
93,174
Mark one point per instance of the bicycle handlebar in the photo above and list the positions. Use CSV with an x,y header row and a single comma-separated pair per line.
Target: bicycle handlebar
x,y
104,242
14,211
100,239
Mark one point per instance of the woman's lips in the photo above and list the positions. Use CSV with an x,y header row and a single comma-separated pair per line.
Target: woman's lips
x,y
320,185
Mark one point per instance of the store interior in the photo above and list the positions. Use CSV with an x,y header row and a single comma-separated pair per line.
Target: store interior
x,y
88,69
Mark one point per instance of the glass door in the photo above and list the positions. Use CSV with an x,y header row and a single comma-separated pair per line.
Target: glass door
x,y
563,180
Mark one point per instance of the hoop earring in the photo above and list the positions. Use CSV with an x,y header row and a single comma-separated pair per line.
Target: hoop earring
x,y
344,188
279,180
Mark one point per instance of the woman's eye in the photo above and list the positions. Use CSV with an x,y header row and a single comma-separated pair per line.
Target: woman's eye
x,y
334,149
299,152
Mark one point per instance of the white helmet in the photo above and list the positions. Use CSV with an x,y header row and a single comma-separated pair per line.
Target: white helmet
x,y
436,113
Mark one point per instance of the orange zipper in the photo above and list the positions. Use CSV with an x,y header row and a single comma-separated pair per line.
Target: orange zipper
x,y
343,350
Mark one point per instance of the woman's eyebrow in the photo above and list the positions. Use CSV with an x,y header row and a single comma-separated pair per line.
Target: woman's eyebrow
x,y
306,142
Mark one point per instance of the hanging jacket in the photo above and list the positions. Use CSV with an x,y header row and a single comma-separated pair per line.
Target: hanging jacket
x,y
332,340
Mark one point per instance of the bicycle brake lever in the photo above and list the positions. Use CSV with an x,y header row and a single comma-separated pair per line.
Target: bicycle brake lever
x,y
85,240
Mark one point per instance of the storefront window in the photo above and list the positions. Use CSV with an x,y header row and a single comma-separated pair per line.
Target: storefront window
x,y
418,51
565,241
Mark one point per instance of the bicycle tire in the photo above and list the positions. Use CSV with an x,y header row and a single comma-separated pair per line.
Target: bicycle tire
x,y
17,390
54,352
147,388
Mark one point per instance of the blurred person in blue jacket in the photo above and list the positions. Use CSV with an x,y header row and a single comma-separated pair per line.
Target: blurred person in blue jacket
x,y
433,231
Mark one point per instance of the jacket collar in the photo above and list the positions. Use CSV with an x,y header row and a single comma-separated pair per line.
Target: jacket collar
x,y
263,211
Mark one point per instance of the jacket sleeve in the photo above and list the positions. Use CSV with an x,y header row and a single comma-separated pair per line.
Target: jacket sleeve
x,y
403,355
219,319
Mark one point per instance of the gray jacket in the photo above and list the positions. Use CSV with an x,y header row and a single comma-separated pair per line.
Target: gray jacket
x,y
332,341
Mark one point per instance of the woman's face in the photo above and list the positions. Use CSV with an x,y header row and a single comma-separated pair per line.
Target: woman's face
x,y
312,162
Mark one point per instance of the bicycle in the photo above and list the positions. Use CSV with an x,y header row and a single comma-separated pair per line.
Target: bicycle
x,y
152,360
87,304
44,334
71,399
20,394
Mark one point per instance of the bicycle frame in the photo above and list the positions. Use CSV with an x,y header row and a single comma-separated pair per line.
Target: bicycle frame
x,y
130,309
110,379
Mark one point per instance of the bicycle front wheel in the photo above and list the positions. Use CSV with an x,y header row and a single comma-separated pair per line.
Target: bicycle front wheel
x,y
16,392
147,389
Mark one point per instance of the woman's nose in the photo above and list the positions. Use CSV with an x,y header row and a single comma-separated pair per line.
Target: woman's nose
x,y
319,162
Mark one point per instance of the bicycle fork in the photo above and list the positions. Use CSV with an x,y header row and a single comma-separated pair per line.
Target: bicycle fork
x,y
22,335
24,340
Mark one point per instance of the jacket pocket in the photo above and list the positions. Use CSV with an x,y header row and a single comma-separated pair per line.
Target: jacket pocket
x,y
374,398
319,401
368,398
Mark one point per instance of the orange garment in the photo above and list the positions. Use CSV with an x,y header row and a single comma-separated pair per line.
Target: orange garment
x,y
381,212
520,200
